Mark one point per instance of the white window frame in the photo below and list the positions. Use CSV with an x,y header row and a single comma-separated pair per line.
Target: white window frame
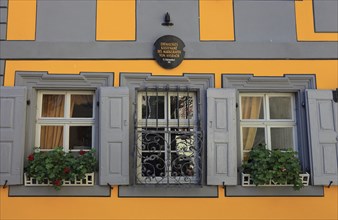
x,y
65,121
162,123
266,122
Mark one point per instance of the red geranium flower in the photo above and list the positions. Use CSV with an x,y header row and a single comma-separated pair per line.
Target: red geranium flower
x,y
82,152
66,170
57,182
31,157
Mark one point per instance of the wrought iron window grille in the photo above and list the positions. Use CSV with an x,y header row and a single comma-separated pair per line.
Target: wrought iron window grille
x,y
168,137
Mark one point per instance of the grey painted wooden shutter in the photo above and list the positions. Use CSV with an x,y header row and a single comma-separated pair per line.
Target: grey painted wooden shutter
x,y
114,136
12,134
323,136
221,135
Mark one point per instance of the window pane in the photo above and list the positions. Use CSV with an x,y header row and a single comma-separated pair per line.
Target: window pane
x,y
153,164
153,141
53,105
181,107
182,165
153,107
51,137
280,108
281,138
81,106
252,108
80,137
182,140
252,136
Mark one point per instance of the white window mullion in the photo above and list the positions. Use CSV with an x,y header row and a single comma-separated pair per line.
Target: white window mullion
x,y
39,106
67,105
266,105
37,135
268,137
66,138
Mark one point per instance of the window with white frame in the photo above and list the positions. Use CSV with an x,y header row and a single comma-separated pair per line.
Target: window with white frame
x,y
65,118
267,118
168,145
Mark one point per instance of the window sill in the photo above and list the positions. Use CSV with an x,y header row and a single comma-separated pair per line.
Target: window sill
x,y
147,191
279,191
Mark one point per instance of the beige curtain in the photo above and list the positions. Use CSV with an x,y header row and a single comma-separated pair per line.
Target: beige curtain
x,y
52,136
251,107
79,100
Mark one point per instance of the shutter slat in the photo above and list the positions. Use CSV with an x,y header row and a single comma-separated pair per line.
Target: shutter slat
x,y
221,135
323,136
114,136
12,134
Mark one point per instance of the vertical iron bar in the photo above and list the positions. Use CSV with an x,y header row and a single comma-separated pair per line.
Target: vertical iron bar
x,y
136,137
156,108
146,109
200,140
177,108
169,136
186,107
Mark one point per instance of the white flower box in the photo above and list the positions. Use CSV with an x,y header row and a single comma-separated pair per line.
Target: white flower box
x,y
87,181
247,181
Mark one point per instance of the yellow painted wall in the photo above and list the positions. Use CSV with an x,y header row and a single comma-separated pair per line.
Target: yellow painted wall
x,y
115,20
268,208
21,19
305,23
318,208
313,208
325,70
216,20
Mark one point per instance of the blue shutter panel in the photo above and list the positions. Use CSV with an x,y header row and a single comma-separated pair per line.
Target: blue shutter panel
x,y
114,136
221,135
12,134
323,136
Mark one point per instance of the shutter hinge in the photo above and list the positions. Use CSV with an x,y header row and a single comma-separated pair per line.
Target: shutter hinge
x,y
303,104
335,95
98,104
110,186
236,104
5,185
28,102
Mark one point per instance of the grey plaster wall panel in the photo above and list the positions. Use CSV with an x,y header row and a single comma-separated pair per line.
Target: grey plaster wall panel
x,y
3,33
66,21
134,50
2,71
2,67
4,3
3,15
259,21
326,15
184,15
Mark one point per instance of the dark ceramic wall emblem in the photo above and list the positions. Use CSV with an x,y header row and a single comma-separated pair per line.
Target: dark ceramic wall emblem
x,y
168,51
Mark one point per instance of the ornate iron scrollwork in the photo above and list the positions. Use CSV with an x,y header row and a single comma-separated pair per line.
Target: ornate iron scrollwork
x,y
168,156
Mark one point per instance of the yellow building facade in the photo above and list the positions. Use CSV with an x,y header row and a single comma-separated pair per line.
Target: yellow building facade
x,y
45,40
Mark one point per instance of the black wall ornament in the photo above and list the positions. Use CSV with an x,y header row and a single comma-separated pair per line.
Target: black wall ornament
x,y
168,51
